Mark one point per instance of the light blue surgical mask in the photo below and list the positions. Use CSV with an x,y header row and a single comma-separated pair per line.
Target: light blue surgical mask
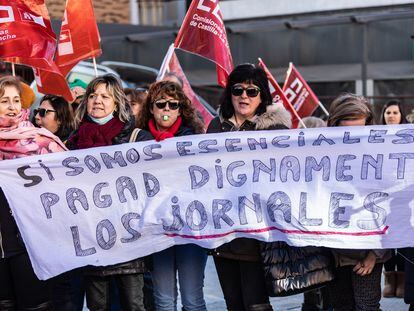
x,y
102,121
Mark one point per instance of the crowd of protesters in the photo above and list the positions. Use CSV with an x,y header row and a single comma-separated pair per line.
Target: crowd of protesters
x,y
249,271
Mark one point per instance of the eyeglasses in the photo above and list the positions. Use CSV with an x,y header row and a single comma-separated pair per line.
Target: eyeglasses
x,y
173,105
42,112
251,91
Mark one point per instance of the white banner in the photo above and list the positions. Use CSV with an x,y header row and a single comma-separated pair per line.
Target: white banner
x,y
345,187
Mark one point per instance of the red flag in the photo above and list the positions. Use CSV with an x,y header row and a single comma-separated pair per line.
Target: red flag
x,y
203,33
299,93
172,65
79,36
79,39
26,35
279,96
52,82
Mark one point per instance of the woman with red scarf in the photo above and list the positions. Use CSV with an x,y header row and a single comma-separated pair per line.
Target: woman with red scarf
x,y
168,113
103,119
20,289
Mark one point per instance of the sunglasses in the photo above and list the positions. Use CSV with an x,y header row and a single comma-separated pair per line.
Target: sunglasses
x,y
251,91
173,105
42,112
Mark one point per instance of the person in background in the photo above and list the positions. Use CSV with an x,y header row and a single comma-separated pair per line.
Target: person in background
x,y
358,274
394,276
246,106
103,119
78,89
136,98
55,114
311,122
20,289
393,113
168,113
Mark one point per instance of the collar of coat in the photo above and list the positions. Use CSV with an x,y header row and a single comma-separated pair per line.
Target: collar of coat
x,y
274,115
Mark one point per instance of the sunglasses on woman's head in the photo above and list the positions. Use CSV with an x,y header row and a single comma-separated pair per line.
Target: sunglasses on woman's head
x,y
42,112
251,91
172,104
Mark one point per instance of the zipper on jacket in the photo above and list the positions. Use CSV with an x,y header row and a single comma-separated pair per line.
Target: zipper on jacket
x,y
1,245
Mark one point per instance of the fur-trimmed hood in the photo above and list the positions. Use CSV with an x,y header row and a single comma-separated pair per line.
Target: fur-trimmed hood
x,y
276,116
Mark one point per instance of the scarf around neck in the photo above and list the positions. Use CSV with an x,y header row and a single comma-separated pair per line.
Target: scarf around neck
x,y
170,132
91,134
20,138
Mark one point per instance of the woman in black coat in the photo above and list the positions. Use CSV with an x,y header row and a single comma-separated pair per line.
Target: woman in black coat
x,y
246,106
103,119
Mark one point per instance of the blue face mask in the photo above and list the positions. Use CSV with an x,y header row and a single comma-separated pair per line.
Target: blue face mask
x,y
102,121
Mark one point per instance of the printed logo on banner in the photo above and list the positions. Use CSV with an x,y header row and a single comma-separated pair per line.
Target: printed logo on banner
x,y
31,18
6,14
296,89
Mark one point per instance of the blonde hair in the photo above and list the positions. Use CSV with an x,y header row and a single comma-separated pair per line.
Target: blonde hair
x,y
113,86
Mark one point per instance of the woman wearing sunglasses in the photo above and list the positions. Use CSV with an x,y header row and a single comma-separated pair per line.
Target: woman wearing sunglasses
x,y
104,118
55,114
168,113
20,289
246,106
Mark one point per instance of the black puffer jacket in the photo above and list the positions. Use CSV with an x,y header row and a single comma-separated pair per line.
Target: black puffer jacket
x,y
274,118
291,270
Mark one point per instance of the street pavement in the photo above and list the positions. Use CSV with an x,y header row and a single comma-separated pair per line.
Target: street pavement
x,y
215,302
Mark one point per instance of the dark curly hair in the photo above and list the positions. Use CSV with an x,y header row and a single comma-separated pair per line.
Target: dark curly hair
x,y
162,89
246,73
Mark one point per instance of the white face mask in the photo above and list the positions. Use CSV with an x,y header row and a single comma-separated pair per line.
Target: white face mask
x,y
102,121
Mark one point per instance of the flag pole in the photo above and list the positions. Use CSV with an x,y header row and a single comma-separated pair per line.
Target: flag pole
x,y
271,79
95,66
13,69
323,109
